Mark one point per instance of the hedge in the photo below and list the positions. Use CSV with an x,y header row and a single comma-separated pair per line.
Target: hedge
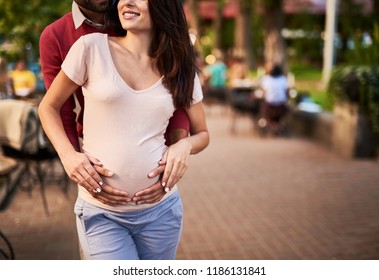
x,y
360,85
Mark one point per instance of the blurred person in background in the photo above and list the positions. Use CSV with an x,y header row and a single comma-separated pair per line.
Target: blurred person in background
x,y
216,77
25,81
274,87
238,72
6,82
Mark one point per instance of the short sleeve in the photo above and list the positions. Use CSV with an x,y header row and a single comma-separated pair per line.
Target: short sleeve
x,y
74,65
197,95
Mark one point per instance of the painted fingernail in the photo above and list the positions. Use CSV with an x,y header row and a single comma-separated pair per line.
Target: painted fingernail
x,y
101,183
98,190
167,189
95,191
110,173
163,184
151,174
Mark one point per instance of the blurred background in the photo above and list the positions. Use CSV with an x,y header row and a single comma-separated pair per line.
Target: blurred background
x,y
292,32
303,187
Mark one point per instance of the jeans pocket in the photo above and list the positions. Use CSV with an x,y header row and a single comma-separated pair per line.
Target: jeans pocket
x,y
79,207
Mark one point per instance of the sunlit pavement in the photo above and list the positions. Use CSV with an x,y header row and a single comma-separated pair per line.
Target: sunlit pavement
x,y
245,197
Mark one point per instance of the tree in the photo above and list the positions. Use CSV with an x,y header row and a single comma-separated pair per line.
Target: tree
x,y
243,32
273,23
217,23
21,24
193,20
376,10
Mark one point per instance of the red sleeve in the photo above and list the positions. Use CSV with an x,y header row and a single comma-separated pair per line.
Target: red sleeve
x,y
51,58
179,120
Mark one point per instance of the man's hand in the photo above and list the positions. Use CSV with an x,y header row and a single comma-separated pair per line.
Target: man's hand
x,y
111,196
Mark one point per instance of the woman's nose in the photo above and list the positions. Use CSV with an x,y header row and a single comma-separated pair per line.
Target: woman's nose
x,y
127,2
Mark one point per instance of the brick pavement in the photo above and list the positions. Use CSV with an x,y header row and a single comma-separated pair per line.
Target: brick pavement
x,y
244,197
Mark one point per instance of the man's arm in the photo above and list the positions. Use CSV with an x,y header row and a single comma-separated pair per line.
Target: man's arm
x,y
51,60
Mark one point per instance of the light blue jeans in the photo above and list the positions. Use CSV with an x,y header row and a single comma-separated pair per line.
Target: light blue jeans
x,y
148,234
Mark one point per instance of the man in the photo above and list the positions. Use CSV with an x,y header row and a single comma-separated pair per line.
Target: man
x,y
87,16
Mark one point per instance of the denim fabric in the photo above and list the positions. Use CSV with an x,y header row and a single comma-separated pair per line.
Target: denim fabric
x,y
149,234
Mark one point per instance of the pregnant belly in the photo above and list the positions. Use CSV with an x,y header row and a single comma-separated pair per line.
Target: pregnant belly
x,y
130,177
130,168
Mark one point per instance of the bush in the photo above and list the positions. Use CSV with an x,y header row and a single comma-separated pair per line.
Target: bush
x,y
363,53
360,85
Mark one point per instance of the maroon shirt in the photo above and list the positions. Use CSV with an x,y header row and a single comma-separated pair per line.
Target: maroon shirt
x,y
55,42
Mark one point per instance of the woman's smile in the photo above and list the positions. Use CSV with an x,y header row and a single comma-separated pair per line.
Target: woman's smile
x,y
130,15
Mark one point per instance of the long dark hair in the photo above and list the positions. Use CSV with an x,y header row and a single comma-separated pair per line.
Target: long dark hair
x,y
170,48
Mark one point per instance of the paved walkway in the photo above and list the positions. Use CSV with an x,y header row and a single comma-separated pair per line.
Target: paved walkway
x,y
244,197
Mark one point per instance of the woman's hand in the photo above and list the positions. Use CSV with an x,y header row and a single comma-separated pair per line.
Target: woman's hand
x,y
79,168
176,159
85,171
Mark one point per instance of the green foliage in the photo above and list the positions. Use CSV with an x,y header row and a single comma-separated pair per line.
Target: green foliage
x,y
21,23
363,54
305,71
227,35
358,84
322,98
305,44
308,79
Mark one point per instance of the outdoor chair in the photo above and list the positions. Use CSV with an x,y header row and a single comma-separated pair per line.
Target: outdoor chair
x,y
22,138
7,166
242,102
7,252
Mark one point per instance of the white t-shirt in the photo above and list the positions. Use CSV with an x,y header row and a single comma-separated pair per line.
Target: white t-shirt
x,y
275,89
122,127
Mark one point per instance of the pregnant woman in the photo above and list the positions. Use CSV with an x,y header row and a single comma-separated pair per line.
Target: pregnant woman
x,y
132,84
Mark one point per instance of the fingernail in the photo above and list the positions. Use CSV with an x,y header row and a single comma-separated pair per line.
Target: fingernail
x,y
95,191
163,184
151,174
110,173
101,183
167,189
99,162
98,190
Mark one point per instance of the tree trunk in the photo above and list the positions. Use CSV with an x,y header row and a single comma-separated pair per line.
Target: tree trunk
x,y
274,46
376,10
217,25
193,22
243,32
